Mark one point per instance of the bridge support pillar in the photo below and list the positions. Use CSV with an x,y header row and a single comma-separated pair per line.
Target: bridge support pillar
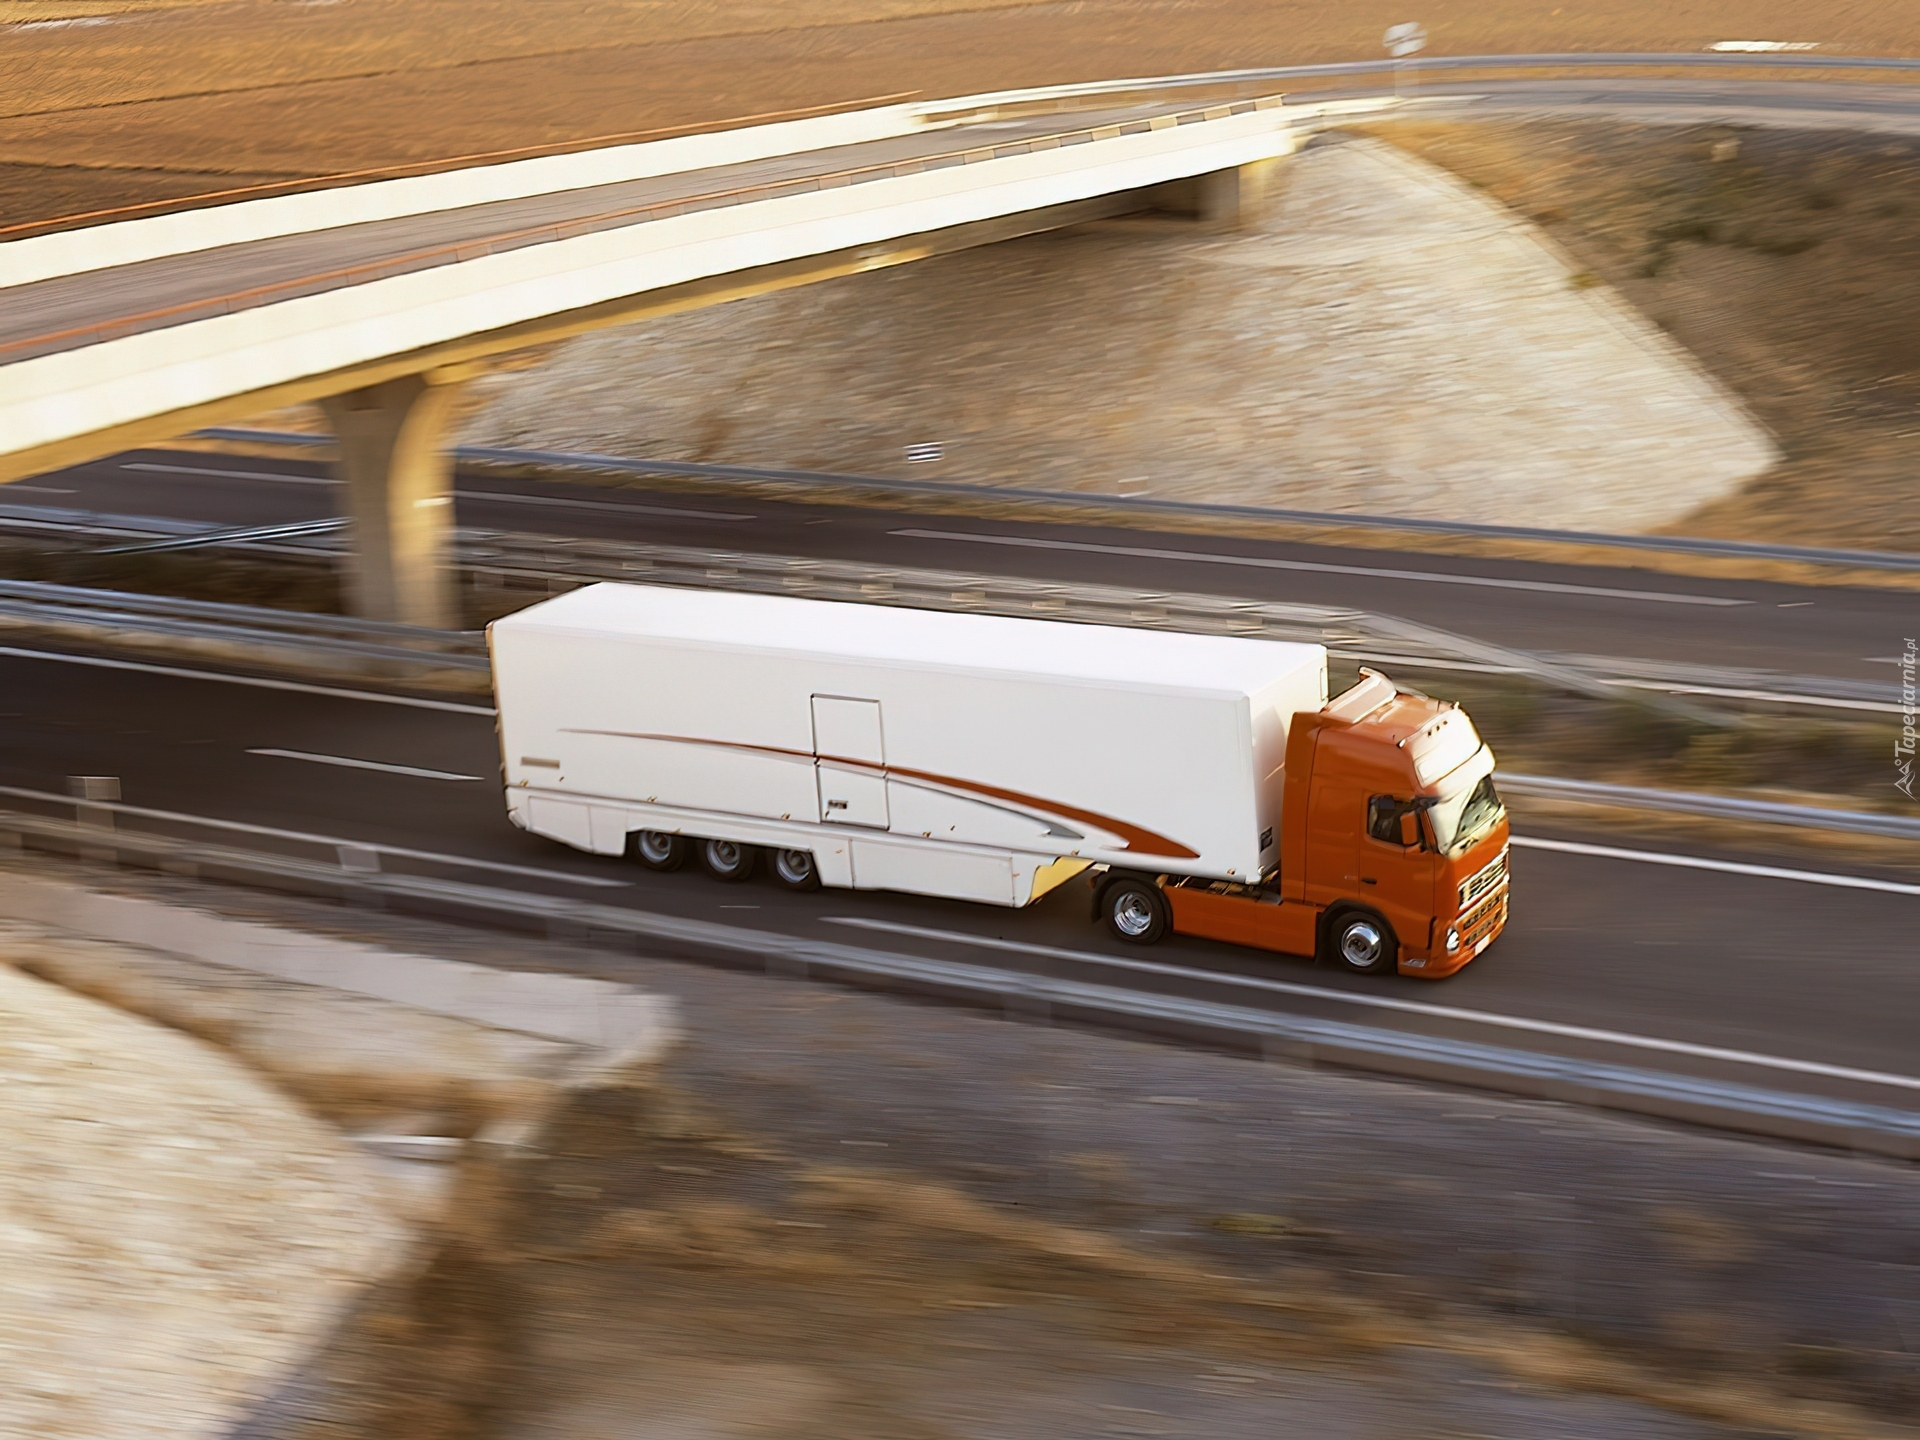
x,y
398,475
1222,199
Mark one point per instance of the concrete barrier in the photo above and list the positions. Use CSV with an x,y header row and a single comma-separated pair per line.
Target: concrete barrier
x,y
628,1024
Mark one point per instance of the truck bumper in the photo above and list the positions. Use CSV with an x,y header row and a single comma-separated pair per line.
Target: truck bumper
x,y
1478,929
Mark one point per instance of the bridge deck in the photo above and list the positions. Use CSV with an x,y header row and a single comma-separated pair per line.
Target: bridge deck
x,y
73,311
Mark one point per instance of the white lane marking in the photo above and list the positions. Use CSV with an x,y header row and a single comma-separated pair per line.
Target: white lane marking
x,y
467,861
451,706
37,489
613,505
560,500
1388,1002
1725,867
232,474
363,764
1259,562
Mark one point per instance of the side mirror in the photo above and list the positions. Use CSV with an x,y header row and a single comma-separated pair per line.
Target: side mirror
x,y
1410,829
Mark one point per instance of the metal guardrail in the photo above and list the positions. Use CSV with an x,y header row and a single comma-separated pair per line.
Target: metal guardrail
x,y
1546,60
549,561
1720,807
233,536
255,634
1359,633
1084,504
552,562
1729,682
1274,1035
102,614
1363,636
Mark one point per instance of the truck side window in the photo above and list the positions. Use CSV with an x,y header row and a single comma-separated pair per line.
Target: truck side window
x,y
1383,817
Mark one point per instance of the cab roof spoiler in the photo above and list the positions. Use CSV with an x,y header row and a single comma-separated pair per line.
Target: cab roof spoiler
x,y
1373,691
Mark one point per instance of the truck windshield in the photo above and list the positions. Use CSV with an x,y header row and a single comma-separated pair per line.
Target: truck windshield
x,y
1460,819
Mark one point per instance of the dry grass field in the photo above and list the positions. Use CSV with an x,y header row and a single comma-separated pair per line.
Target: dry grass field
x,y
53,14
1783,260
171,98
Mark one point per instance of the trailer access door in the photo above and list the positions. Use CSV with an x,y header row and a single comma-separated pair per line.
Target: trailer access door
x,y
849,757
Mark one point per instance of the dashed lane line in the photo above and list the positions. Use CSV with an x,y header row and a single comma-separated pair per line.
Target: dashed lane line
x,y
352,764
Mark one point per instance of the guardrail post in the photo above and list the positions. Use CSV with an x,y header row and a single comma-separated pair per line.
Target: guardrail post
x,y
398,476
358,859
102,790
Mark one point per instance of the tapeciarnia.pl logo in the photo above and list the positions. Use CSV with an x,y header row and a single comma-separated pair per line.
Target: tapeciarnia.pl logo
x,y
1903,747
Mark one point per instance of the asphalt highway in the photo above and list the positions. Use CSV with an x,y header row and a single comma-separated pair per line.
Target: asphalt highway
x,y
1813,975
1852,633
1673,957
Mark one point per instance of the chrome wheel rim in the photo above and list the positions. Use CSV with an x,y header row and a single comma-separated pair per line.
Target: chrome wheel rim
x,y
794,866
724,854
1133,914
1361,944
656,846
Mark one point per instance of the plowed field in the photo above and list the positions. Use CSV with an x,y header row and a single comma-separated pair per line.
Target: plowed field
x,y
131,100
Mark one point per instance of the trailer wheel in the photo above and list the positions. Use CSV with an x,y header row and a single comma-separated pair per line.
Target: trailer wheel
x,y
657,850
1361,943
1135,911
729,860
796,870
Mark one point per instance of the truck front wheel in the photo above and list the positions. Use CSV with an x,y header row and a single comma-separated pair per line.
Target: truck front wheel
x,y
728,859
1135,911
1361,943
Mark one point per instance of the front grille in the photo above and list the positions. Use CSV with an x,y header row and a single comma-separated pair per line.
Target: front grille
x,y
1490,913
1483,881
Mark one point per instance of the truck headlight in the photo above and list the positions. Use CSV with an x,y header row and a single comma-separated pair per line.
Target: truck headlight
x,y
1453,940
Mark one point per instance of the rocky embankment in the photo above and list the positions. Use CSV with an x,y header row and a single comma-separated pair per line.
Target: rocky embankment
x,y
1387,340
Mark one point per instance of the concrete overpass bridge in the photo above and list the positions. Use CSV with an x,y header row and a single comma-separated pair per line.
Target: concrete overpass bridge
x,y
379,300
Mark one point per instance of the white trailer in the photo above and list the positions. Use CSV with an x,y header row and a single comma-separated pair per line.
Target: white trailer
x,y
883,748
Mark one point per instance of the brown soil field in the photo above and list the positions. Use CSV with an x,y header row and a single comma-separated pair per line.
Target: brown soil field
x,y
1783,260
52,13
178,99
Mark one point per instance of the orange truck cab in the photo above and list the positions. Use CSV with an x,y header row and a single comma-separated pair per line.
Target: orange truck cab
x,y
1393,847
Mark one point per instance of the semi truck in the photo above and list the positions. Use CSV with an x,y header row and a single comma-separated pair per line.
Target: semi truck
x,y
1198,784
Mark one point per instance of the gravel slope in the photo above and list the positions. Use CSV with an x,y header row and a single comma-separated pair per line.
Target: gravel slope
x,y
173,1231
1389,340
